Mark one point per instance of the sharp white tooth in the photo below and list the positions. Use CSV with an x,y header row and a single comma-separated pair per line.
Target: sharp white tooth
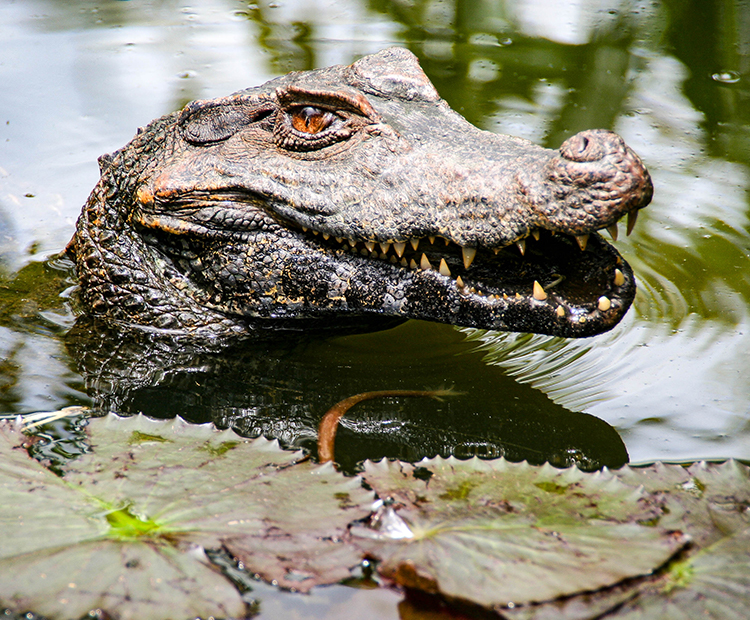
x,y
443,269
447,241
393,259
521,245
326,236
469,254
459,282
560,311
315,232
582,241
404,262
370,245
414,243
399,246
424,263
632,218
539,293
385,247
339,239
604,303
431,238
612,230
413,264
619,278
536,234
304,229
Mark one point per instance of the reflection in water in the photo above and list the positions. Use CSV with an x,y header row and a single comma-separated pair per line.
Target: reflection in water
x,y
281,388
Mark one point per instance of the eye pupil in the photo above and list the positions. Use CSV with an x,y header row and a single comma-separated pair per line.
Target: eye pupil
x,y
310,119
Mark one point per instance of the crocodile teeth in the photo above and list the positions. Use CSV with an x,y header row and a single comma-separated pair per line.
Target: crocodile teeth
x,y
385,247
414,243
432,239
404,263
536,234
539,293
619,278
469,254
443,269
521,245
612,230
399,247
413,264
460,282
560,312
632,218
604,303
582,241
424,263
326,236
339,239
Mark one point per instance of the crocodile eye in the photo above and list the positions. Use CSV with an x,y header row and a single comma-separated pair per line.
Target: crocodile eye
x,y
311,120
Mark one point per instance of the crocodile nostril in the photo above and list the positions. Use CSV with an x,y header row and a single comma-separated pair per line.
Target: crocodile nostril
x,y
591,145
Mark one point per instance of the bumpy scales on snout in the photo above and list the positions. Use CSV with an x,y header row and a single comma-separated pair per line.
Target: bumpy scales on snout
x,y
352,192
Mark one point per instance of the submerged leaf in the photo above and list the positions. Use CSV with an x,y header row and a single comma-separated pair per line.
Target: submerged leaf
x,y
499,534
125,528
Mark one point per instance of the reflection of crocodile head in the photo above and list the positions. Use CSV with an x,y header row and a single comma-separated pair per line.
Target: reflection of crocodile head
x,y
355,191
281,388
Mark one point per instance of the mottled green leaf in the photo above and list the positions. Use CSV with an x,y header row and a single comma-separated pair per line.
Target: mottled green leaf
x,y
713,583
126,527
500,534
711,579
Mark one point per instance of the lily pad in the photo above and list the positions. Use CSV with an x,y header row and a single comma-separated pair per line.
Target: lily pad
x,y
125,528
713,583
499,534
710,579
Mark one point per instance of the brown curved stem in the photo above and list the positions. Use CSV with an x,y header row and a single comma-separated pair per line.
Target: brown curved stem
x,y
330,422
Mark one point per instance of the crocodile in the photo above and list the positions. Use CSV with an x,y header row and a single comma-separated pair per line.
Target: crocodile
x,y
352,194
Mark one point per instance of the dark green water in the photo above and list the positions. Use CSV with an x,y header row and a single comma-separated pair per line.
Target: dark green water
x,y
671,382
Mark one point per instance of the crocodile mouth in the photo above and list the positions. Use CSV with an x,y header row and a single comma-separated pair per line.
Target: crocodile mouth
x,y
556,283
547,282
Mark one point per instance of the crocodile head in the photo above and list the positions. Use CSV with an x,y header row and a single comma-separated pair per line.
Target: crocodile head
x,y
355,191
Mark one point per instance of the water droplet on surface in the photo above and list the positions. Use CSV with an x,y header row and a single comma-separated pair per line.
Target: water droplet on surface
x,y
726,77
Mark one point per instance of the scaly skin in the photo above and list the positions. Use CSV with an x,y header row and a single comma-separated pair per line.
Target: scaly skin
x,y
304,198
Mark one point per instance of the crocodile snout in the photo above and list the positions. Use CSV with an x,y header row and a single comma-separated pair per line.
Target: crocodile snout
x,y
594,180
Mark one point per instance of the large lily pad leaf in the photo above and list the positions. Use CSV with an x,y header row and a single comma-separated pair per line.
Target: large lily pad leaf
x,y
128,580
713,583
499,534
710,579
125,528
